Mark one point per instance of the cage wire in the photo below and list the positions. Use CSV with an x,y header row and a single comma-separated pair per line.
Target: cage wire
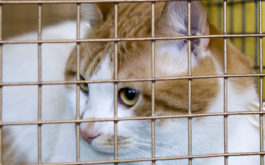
x,y
241,21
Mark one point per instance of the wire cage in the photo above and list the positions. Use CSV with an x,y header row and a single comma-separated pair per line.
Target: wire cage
x,y
241,21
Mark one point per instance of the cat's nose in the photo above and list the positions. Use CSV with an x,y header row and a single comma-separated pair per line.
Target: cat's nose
x,y
89,135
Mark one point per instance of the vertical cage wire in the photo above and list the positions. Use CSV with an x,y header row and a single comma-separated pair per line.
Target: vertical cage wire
x,y
189,85
261,86
225,83
153,82
78,17
1,110
116,84
39,86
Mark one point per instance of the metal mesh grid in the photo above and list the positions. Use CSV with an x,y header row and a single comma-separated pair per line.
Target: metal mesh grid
x,y
259,35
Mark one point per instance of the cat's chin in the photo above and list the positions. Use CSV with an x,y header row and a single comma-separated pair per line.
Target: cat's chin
x,y
103,150
109,151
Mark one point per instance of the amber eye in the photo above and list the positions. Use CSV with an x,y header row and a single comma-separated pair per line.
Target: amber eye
x,y
83,86
128,96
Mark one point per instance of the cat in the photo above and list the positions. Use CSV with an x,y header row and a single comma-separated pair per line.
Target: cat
x,y
134,98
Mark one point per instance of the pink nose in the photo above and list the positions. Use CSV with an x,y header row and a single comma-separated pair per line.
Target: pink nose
x,y
89,135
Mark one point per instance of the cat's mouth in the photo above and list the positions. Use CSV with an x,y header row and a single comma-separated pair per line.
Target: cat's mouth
x,y
105,144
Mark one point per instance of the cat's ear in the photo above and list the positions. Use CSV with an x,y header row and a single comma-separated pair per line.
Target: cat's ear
x,y
174,22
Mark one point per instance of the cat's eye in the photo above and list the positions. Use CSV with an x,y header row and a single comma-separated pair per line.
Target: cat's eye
x,y
83,86
128,96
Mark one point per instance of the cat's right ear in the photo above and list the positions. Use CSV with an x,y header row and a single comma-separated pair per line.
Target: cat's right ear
x,y
94,13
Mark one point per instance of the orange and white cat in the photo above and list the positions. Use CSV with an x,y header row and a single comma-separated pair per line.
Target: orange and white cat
x,y
134,98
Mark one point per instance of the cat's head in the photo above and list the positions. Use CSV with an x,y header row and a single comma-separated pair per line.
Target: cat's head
x,y
134,99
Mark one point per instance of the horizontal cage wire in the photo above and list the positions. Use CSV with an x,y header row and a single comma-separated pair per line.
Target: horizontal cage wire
x,y
239,21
